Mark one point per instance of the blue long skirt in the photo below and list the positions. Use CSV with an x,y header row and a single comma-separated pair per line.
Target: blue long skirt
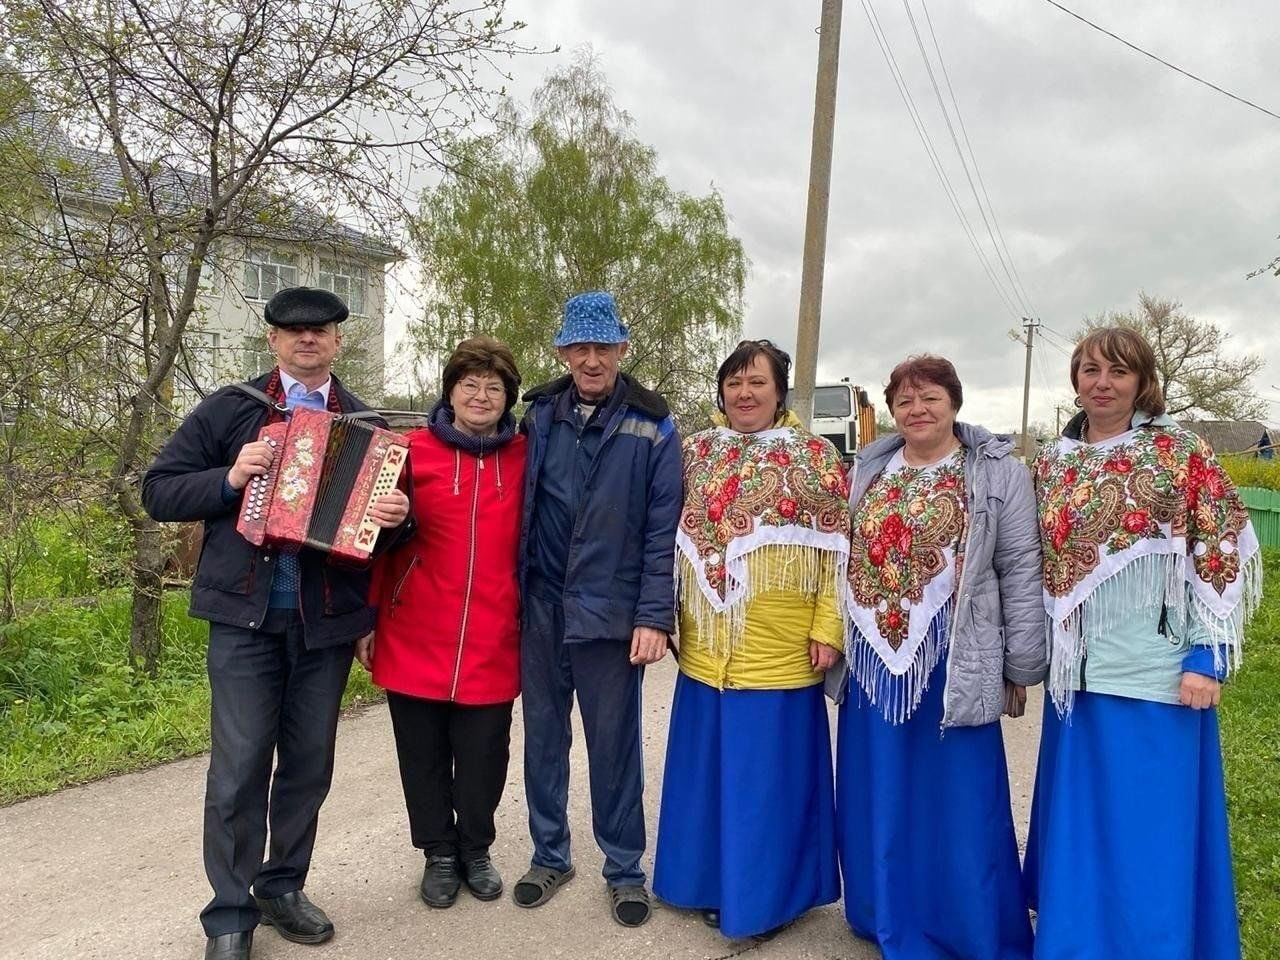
x,y
1129,854
747,824
927,846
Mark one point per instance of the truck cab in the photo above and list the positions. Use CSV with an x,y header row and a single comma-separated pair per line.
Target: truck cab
x,y
843,414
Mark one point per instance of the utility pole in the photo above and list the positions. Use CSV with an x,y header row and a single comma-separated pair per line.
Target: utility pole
x,y
1029,326
809,324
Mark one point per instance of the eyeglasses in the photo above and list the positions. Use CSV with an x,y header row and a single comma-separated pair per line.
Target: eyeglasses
x,y
491,391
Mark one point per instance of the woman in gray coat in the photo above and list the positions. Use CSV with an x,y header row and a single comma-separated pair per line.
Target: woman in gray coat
x,y
946,631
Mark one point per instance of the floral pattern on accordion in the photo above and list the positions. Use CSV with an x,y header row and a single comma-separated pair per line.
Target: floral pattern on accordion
x,y
782,488
905,562
1153,505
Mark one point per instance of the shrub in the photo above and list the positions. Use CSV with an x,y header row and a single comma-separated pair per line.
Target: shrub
x,y
1253,472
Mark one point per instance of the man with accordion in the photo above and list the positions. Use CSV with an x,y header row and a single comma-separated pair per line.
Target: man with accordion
x,y
283,621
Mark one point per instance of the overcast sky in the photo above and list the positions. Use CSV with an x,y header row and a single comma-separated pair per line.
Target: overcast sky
x,y
1108,173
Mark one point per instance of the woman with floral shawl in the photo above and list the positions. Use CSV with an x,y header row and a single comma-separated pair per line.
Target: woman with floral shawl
x,y
1150,569
946,632
747,827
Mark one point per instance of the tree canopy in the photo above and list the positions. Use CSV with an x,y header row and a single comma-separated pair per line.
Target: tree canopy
x,y
564,199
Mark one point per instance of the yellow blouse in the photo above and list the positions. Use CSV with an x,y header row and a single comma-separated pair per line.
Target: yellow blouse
x,y
772,652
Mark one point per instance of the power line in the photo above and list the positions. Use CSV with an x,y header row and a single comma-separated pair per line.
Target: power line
x,y
883,42
1054,336
964,164
964,131
1176,69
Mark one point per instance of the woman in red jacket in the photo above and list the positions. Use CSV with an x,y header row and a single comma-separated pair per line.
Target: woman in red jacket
x,y
446,646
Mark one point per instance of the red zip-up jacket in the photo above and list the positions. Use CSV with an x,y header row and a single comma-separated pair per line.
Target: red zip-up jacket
x,y
447,599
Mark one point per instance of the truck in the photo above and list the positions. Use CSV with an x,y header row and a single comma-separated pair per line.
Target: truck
x,y
843,413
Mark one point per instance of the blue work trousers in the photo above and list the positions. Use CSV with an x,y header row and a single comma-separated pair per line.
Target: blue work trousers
x,y
608,689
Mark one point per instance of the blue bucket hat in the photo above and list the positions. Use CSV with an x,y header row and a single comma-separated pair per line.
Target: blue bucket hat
x,y
591,318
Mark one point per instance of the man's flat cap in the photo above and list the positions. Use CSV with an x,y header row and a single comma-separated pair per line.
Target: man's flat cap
x,y
304,307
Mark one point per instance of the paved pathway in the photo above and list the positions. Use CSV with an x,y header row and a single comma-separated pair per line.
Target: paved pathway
x,y
113,869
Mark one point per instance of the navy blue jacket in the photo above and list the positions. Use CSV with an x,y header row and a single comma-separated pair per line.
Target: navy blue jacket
x,y
233,578
621,559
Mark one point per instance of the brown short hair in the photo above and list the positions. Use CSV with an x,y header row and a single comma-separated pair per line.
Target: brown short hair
x,y
921,369
744,354
483,355
1127,346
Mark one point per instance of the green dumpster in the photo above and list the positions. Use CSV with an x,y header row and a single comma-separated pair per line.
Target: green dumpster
x,y
1264,511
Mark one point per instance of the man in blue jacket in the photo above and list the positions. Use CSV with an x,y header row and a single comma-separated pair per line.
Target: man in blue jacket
x,y
602,500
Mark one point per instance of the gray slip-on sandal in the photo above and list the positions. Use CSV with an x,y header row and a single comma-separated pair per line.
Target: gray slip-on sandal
x,y
539,885
631,905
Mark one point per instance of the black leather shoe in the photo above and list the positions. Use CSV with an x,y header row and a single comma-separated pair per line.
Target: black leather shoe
x,y
711,918
296,918
229,946
482,879
440,882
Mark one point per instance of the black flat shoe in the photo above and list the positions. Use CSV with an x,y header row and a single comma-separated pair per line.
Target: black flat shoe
x,y
440,882
482,879
229,946
295,918
770,934
711,918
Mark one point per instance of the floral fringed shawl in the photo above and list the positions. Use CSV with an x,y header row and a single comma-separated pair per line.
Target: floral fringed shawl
x,y
907,553
778,497
1154,510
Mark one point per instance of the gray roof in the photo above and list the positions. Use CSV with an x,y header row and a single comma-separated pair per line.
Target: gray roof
x,y
94,177
1231,436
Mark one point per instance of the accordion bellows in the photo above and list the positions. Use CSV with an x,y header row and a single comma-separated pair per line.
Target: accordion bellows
x,y
326,473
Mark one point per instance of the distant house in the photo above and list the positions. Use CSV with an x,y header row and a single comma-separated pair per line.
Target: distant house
x,y
1245,437
225,339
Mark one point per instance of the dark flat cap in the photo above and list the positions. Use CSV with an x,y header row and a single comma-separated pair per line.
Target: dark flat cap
x,y
304,307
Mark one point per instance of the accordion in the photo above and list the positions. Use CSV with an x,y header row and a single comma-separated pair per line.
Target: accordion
x,y
325,474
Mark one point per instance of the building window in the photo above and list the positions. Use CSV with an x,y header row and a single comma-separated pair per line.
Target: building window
x,y
257,357
267,272
348,280
198,371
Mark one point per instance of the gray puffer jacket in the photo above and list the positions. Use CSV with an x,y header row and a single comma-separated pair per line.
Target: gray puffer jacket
x,y
998,631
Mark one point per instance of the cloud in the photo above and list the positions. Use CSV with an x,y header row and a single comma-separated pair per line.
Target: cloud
x,y
1109,173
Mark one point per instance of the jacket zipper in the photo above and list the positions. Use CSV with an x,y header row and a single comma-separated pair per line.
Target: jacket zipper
x,y
399,587
466,596
968,542
615,425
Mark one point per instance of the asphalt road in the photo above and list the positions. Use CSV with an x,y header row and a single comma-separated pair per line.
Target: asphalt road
x,y
113,869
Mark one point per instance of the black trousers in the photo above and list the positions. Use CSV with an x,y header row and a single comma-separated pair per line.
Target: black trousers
x,y
453,766
271,696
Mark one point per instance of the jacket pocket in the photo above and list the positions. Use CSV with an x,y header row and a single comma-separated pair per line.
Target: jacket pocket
x,y
398,589
227,563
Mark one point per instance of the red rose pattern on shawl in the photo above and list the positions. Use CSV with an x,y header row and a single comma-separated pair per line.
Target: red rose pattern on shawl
x,y
1097,501
735,483
906,521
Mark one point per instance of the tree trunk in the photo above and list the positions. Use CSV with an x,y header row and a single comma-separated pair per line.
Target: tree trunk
x,y
148,570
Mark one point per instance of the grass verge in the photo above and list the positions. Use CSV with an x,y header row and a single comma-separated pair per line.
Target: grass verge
x,y
1251,753
71,709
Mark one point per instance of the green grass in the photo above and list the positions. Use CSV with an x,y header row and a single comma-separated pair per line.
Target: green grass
x,y
1251,752
71,709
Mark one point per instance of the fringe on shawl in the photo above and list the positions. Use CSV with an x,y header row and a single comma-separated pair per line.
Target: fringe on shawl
x,y
1146,584
1227,633
898,695
770,566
